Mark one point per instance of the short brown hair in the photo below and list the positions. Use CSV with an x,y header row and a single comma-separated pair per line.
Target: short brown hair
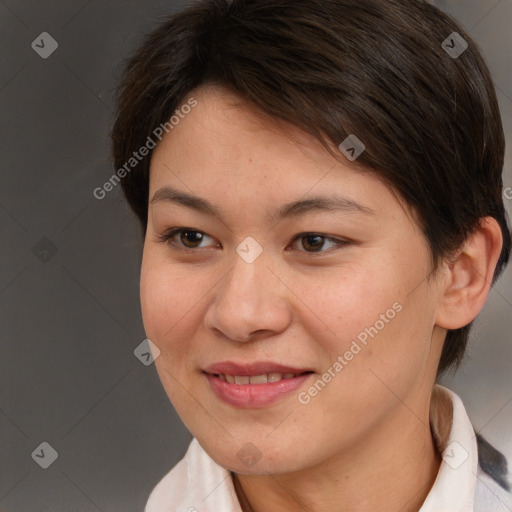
x,y
377,69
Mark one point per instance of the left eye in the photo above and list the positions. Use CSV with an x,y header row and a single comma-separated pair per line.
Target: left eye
x,y
192,239
315,242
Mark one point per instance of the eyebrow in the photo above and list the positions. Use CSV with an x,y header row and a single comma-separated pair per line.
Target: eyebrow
x,y
294,209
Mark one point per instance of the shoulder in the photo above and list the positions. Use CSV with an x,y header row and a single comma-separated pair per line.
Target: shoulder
x,y
475,475
493,489
172,487
196,483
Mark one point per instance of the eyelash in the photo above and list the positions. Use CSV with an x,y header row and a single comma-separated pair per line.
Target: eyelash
x,y
169,235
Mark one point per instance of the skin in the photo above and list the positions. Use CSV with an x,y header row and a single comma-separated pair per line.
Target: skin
x,y
363,443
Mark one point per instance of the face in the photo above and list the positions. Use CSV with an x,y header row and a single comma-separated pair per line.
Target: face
x,y
289,264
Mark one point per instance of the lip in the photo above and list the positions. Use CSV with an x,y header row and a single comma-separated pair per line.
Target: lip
x,y
251,369
253,395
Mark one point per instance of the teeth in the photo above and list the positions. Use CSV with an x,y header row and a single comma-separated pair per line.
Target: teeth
x,y
256,379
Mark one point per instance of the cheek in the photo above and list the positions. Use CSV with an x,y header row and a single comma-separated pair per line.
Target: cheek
x,y
388,349
350,300
370,311
167,299
154,300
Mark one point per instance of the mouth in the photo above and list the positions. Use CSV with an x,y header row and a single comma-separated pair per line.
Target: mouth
x,y
254,385
257,379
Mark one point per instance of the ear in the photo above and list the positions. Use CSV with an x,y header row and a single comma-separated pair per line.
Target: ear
x,y
469,276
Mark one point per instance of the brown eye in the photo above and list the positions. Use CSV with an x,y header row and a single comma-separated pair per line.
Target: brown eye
x,y
317,243
313,243
186,238
190,238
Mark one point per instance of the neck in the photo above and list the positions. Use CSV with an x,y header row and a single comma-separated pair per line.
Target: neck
x,y
392,469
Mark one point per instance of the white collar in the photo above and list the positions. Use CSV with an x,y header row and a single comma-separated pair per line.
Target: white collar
x,y
454,487
198,484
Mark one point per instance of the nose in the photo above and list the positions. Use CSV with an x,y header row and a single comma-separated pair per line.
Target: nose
x,y
249,303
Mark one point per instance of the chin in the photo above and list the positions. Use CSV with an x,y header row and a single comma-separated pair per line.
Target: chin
x,y
255,458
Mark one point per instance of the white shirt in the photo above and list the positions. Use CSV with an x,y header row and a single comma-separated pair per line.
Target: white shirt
x,y
198,484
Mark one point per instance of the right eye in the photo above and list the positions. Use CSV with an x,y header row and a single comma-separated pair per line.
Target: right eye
x,y
188,239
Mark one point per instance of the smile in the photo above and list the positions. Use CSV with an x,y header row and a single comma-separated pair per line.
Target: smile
x,y
254,391
255,379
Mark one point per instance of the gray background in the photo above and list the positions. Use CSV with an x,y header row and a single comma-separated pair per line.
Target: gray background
x,y
69,306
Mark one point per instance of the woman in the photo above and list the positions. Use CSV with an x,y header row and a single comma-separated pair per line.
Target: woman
x,y
319,187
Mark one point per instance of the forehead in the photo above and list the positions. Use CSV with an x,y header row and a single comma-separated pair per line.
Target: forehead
x,y
225,149
223,120
226,134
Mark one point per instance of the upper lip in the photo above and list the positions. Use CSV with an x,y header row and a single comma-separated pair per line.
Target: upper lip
x,y
251,369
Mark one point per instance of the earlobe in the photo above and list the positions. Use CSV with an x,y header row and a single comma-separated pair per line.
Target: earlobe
x,y
469,276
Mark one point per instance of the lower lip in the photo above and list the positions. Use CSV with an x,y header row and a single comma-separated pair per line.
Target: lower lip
x,y
254,395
